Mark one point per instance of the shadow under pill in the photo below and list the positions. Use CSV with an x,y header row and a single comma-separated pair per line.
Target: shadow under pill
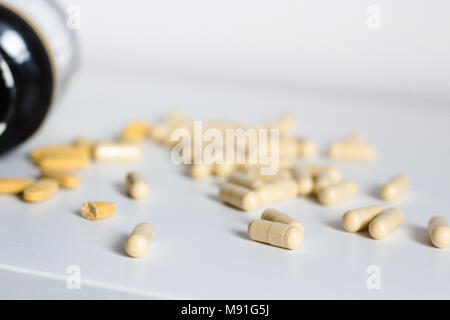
x,y
241,234
119,245
121,188
420,235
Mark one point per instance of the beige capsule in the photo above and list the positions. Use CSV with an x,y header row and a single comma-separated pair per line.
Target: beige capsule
x,y
356,137
136,185
136,131
337,192
97,210
275,233
350,150
359,219
277,191
222,169
14,185
305,182
109,151
306,148
325,179
64,162
385,223
65,179
394,187
439,232
41,190
315,170
59,151
139,239
245,180
200,171
278,216
84,144
239,197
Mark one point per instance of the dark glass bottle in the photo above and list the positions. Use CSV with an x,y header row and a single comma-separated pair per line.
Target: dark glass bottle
x,y
37,55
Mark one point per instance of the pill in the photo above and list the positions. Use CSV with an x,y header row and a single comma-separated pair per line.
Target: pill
x,y
66,151
385,223
277,216
394,187
64,162
325,179
277,191
136,185
439,232
139,239
239,197
359,219
109,151
306,148
337,192
222,169
200,171
305,182
135,131
315,170
14,185
286,125
275,233
356,137
245,180
349,150
65,179
97,210
85,144
255,172
40,190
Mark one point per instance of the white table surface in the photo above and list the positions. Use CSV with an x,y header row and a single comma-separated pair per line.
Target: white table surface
x,y
200,248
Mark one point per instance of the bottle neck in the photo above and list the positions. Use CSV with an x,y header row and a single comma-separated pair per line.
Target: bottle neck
x,y
7,94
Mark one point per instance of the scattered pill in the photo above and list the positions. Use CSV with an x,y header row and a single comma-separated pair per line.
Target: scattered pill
x,y
275,233
306,148
117,151
277,191
277,216
59,151
385,223
305,182
136,131
245,180
97,210
64,162
200,171
359,219
439,232
350,150
14,185
223,169
337,193
325,179
139,239
136,185
355,137
40,190
65,179
239,197
315,170
394,187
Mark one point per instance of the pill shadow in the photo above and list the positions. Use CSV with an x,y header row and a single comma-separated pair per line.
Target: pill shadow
x,y
119,246
121,188
420,235
335,224
374,192
241,234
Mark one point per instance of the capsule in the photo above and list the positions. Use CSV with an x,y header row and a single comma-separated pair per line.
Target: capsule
x,y
65,179
135,131
359,219
200,171
349,150
62,151
139,239
222,169
239,197
97,210
306,148
244,180
277,216
64,162
277,191
337,193
84,144
14,185
439,232
41,190
325,179
315,170
385,223
394,187
275,233
136,185
355,137
117,151
305,182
